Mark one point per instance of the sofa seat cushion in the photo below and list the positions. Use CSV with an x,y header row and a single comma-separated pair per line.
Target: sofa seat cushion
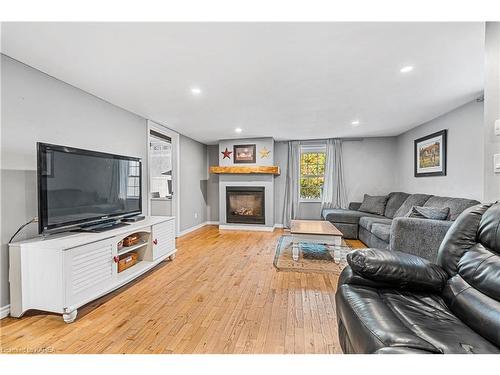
x,y
382,231
456,205
387,318
339,215
367,221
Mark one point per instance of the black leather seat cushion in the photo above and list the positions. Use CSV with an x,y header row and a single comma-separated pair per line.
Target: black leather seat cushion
x,y
379,319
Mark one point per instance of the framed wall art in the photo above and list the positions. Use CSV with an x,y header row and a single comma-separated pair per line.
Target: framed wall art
x,y
430,155
244,154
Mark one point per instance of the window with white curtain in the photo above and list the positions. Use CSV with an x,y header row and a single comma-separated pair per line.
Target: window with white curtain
x,y
312,172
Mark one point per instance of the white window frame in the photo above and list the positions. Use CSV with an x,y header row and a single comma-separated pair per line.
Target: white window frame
x,y
133,176
310,149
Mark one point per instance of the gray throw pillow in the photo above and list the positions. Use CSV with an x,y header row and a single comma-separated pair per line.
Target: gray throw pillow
x,y
373,204
429,213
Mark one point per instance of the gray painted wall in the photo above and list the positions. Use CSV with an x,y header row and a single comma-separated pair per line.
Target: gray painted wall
x,y
193,181
491,110
260,144
36,107
369,168
213,184
465,155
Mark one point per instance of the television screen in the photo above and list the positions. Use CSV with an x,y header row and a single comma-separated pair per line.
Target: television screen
x,y
78,186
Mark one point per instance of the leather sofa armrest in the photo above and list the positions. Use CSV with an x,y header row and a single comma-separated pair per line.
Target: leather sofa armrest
x,y
348,276
416,236
397,269
354,206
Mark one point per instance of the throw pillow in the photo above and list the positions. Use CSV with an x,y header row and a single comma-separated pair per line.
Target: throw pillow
x,y
373,204
429,213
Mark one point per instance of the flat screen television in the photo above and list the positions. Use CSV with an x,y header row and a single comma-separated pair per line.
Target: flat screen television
x,y
79,188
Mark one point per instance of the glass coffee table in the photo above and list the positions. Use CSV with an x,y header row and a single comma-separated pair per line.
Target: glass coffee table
x,y
313,231
304,256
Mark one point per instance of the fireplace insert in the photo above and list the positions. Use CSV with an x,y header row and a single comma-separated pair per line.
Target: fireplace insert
x,y
245,205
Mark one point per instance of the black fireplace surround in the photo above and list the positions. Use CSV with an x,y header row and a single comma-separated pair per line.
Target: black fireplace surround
x,y
245,205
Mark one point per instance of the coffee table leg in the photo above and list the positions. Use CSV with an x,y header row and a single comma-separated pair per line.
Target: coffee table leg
x,y
295,251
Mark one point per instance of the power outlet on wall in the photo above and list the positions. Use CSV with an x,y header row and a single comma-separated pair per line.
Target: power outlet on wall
x,y
497,127
196,215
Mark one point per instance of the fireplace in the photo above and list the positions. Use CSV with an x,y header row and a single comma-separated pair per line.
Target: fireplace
x,y
245,205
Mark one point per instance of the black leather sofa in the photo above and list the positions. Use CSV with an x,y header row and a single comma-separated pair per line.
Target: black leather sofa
x,y
395,302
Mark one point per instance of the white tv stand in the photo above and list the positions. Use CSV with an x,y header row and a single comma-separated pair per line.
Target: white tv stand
x,y
63,272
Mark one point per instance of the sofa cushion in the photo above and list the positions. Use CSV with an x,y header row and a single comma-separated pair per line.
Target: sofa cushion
x,y
433,213
367,221
395,200
374,204
456,205
349,230
412,200
339,215
382,231
372,241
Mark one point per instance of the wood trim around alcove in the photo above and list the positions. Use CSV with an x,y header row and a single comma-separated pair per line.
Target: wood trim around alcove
x,y
275,170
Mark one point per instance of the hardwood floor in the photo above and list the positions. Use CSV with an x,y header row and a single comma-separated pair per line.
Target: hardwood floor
x,y
220,295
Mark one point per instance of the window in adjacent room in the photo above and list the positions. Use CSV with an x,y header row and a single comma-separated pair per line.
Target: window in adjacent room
x,y
312,173
134,183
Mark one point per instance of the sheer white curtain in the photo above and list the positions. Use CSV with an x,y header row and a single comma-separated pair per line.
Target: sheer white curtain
x,y
291,204
334,190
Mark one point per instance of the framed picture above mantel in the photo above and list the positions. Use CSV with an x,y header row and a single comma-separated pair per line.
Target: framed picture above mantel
x,y
244,154
430,155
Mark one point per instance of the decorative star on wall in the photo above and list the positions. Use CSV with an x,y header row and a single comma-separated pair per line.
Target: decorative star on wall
x,y
226,153
264,153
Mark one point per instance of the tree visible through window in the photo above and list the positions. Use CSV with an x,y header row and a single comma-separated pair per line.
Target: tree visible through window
x,y
312,173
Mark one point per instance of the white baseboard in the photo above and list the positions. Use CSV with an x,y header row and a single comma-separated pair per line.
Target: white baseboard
x,y
255,228
192,229
4,311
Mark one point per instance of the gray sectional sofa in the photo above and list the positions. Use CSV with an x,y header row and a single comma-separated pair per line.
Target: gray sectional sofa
x,y
394,230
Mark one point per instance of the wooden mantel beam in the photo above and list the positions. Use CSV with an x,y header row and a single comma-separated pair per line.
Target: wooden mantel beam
x,y
245,170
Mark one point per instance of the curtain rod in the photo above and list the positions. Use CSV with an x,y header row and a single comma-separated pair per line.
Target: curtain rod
x,y
324,140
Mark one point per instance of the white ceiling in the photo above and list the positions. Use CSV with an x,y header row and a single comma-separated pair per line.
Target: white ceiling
x,y
285,80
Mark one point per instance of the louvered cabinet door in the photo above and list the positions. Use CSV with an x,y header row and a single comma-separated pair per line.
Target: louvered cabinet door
x,y
90,270
163,238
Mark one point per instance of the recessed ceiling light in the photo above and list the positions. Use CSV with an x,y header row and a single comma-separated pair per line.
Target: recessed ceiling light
x,y
406,69
195,91
238,130
355,123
